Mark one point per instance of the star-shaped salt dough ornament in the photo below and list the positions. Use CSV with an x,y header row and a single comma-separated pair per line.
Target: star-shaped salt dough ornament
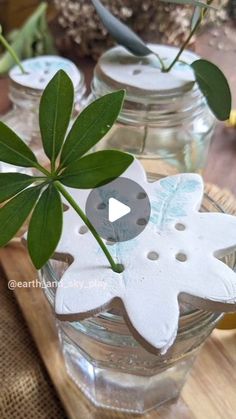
x,y
177,255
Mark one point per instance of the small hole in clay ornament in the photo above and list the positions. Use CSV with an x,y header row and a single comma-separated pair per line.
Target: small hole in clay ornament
x,y
181,257
152,256
110,241
141,222
180,227
136,72
141,195
65,207
101,206
83,230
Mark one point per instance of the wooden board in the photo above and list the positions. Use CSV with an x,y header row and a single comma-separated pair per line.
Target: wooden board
x,y
210,389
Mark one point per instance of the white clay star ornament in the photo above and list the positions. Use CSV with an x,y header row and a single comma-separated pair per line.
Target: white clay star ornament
x,y
176,256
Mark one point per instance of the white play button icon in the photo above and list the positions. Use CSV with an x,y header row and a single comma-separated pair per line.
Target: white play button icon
x,y
116,210
119,210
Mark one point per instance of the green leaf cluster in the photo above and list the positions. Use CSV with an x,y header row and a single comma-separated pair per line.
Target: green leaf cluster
x,y
210,79
40,196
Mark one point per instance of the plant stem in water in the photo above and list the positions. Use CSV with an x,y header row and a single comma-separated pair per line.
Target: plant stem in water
x,y
116,267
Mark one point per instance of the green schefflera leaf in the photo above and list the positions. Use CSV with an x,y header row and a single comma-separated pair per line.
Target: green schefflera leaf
x,y
96,169
12,183
55,112
91,126
214,87
120,32
13,150
15,212
45,227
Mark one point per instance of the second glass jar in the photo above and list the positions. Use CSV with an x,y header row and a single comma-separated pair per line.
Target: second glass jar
x,y
165,120
25,92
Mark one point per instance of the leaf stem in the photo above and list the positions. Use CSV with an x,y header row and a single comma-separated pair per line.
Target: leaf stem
x,y
163,68
186,42
53,166
12,53
116,267
183,46
42,170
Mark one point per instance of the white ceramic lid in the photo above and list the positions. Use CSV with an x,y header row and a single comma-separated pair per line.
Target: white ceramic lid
x,y
123,68
40,70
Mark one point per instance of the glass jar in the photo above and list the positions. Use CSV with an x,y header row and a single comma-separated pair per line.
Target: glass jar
x,y
112,368
25,92
165,120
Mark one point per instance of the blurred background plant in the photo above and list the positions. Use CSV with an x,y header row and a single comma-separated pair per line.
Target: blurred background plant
x,y
155,21
76,26
30,40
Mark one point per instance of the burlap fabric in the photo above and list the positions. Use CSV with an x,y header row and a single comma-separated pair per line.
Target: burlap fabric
x,y
25,388
26,391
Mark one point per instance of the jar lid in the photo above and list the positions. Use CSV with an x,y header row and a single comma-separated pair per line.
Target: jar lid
x,y
118,68
40,70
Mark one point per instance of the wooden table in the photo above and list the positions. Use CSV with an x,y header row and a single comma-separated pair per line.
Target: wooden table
x,y
209,392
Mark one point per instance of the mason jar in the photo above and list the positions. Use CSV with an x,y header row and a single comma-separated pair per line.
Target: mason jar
x,y
25,92
165,120
111,367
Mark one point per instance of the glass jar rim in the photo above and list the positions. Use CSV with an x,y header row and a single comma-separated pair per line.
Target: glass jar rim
x,y
27,93
39,71
20,93
181,102
29,98
117,68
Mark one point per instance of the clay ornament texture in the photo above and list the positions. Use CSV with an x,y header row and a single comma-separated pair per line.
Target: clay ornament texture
x,y
40,70
176,257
